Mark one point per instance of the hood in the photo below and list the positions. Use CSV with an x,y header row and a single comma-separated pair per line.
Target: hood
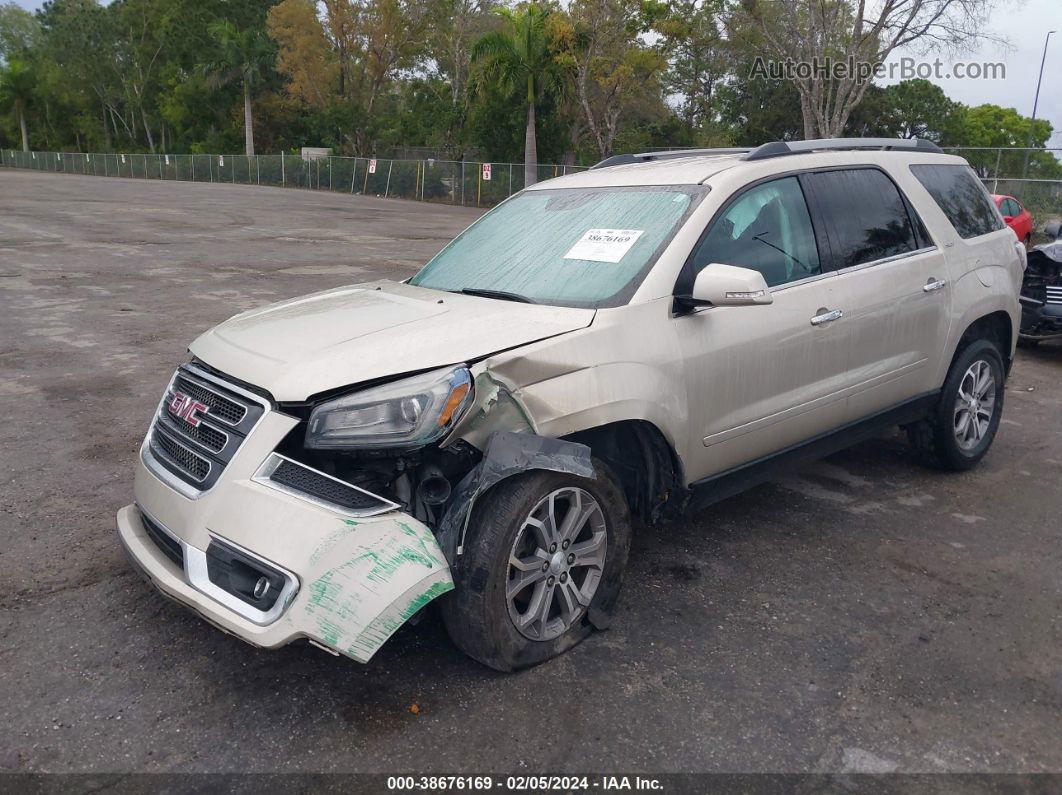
x,y
323,341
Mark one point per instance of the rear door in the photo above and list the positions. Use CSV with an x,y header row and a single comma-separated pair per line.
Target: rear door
x,y
896,283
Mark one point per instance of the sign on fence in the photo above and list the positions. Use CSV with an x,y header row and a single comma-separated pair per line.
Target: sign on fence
x,y
372,166
221,160
486,172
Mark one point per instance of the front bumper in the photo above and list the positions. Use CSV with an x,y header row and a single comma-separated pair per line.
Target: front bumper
x,y
1040,320
348,583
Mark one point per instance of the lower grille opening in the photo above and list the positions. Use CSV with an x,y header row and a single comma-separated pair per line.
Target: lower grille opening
x,y
166,543
316,484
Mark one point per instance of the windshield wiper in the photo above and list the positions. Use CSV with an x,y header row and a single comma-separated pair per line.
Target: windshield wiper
x,y
501,295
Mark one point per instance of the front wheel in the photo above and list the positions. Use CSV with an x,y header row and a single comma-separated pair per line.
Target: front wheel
x,y
544,552
966,418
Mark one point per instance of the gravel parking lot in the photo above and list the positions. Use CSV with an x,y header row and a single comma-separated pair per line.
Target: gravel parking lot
x,y
867,614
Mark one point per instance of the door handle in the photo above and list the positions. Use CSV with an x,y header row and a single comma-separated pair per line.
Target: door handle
x,y
827,317
934,284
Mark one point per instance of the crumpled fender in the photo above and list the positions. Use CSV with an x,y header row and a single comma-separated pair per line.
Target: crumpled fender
x,y
370,578
506,454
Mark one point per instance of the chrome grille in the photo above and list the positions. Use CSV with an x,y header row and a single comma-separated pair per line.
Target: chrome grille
x,y
176,453
204,435
1054,294
191,452
223,408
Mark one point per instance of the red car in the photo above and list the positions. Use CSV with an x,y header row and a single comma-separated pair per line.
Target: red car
x,y
1015,216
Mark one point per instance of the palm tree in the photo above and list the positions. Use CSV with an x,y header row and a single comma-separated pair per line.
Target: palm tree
x,y
518,59
243,55
17,83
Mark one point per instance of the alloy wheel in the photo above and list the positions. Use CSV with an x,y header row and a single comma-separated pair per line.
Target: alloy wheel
x,y
556,563
974,405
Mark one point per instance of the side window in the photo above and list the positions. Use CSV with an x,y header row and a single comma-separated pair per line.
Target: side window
x,y
768,229
1011,207
961,197
865,216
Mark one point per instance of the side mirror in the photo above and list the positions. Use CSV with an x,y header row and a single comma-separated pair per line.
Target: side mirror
x,y
727,285
1008,218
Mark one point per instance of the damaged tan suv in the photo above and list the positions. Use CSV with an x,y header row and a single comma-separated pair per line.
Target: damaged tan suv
x,y
613,346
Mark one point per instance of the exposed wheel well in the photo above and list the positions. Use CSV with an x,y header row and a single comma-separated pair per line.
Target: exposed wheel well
x,y
647,467
996,327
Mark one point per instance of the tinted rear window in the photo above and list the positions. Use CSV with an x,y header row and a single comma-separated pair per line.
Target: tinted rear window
x,y
865,217
961,196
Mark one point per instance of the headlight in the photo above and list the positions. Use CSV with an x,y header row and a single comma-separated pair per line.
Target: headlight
x,y
407,413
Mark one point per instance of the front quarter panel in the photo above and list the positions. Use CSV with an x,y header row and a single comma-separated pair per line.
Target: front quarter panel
x,y
625,366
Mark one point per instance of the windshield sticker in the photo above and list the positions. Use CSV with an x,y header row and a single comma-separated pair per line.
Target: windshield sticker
x,y
604,245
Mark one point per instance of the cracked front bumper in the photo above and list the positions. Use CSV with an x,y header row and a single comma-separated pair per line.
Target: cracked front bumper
x,y
349,583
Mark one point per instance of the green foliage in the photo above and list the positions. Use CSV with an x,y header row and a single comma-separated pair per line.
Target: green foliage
x,y
519,59
920,109
19,32
452,76
991,125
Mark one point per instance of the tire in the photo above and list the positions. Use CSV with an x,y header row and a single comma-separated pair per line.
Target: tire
x,y
953,442
481,614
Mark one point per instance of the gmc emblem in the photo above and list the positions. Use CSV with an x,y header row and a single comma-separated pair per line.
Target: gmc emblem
x,y
187,409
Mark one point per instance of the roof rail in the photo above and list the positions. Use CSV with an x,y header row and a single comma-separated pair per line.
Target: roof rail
x,y
781,148
671,154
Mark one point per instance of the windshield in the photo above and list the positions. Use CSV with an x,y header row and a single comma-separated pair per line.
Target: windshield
x,y
573,247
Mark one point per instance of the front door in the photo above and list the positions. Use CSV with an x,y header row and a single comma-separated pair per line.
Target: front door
x,y
763,378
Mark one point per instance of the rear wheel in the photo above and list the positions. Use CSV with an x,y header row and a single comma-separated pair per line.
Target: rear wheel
x,y
966,418
544,552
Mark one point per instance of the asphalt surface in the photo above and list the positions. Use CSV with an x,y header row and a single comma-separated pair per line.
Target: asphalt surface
x,y
866,615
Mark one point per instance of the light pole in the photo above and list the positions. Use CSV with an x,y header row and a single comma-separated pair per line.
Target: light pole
x,y
1036,101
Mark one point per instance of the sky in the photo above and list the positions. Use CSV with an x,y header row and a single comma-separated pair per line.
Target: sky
x,y
1024,23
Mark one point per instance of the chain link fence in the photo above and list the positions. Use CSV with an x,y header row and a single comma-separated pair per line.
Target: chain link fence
x,y
464,182
445,181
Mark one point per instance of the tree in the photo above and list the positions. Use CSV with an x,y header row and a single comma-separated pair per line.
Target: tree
x,y
922,110
19,30
306,57
17,85
613,72
519,60
243,55
992,126
822,38
874,117
697,57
